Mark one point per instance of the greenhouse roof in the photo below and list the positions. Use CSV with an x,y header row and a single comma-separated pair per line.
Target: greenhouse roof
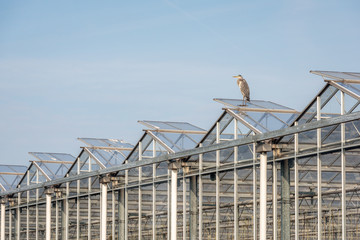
x,y
163,137
255,105
47,167
10,176
106,143
338,76
171,126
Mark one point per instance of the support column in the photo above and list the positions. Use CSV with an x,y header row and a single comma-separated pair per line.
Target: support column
x,y
275,198
63,220
285,200
193,207
217,186
10,225
18,218
103,208
254,190
343,172
319,178
48,193
263,148
296,180
263,193
173,201
121,210
2,220
236,206
200,194
58,195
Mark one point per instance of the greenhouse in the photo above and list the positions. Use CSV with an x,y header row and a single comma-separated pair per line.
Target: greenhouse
x,y
262,171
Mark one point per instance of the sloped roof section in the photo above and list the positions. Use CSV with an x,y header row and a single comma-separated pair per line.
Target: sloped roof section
x,y
106,143
338,76
10,175
168,137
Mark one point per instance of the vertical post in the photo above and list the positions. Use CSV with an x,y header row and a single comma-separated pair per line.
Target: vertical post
x,y
217,191
319,207
27,206
2,220
236,207
18,218
121,210
56,218
65,214
103,208
254,194
275,200
173,204
63,220
200,195
10,224
89,199
37,208
154,196
184,206
285,200
343,172
193,207
263,193
48,193
168,191
126,205
113,214
140,194
78,205
296,180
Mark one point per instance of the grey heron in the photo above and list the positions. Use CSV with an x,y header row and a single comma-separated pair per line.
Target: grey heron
x,y
244,88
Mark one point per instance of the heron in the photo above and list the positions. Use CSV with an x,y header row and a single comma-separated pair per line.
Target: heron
x,y
244,88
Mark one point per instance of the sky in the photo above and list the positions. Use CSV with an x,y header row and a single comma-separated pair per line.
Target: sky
x,y
72,69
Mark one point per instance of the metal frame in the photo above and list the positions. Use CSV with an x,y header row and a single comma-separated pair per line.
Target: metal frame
x,y
230,188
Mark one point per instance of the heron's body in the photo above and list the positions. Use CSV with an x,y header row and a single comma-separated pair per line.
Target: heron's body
x,y
244,88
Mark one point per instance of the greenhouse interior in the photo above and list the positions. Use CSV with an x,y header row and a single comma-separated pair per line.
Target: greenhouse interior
x,y
262,171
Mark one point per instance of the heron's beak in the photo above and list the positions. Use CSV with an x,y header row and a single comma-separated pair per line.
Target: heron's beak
x,y
235,76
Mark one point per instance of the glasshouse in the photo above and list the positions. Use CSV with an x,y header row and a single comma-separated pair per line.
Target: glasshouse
x,y
262,171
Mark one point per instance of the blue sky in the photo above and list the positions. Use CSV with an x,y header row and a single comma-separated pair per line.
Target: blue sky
x,y
93,68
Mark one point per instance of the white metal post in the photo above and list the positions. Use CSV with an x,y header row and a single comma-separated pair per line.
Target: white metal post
x,y
121,212
217,186
48,217
56,219
10,224
2,225
200,194
89,199
140,195
275,203
18,217
254,194
184,206
154,196
173,204
126,205
263,193
113,213
296,180
343,172
319,206
236,210
103,210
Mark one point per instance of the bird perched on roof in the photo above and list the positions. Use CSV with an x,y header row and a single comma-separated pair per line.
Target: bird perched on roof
x,y
244,88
